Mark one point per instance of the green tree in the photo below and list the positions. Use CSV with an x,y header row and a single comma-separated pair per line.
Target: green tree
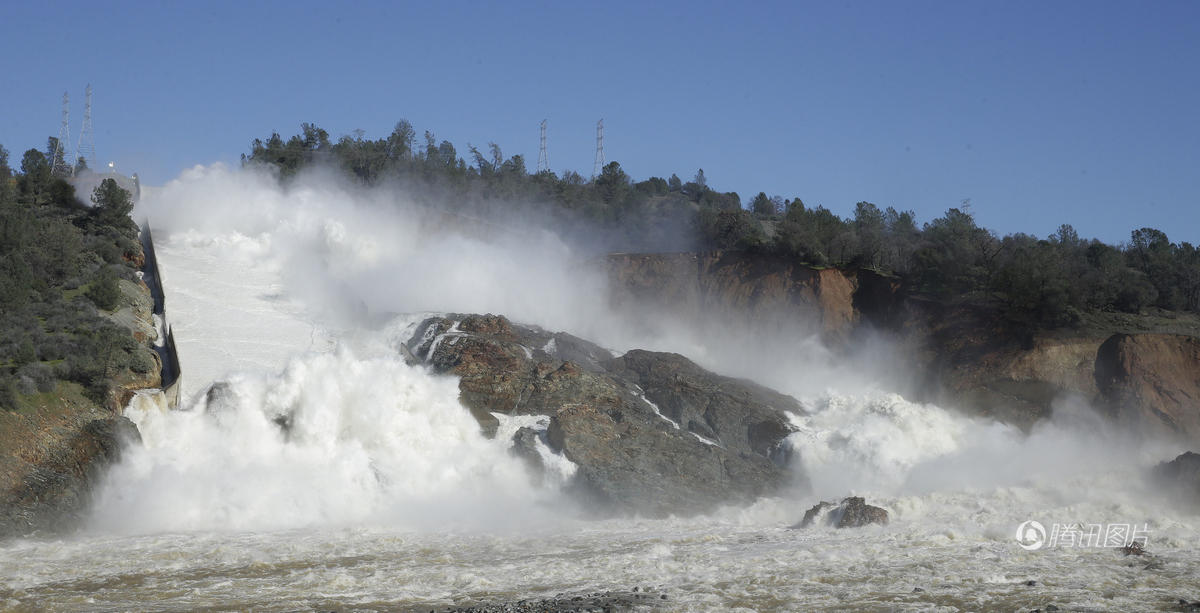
x,y
113,203
957,255
613,184
870,230
400,142
6,177
55,157
1152,253
903,237
35,177
762,206
731,229
104,292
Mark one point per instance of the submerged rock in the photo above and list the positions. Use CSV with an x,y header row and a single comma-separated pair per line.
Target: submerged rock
x,y
853,512
567,603
651,433
524,446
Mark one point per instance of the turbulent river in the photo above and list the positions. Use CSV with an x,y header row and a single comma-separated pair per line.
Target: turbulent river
x,y
383,494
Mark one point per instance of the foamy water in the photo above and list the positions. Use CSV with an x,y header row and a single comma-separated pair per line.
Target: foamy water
x,y
326,473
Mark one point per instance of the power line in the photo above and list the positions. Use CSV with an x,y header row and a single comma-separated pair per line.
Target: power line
x,y
599,164
543,164
87,136
61,162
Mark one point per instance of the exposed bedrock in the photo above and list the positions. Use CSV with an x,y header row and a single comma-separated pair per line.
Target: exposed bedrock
x,y
727,286
1180,478
49,486
652,433
1143,370
1152,381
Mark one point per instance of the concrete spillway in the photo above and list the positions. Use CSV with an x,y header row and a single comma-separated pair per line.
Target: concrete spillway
x,y
171,372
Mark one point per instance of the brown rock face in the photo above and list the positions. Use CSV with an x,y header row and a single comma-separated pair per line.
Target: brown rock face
x,y
48,485
1152,380
1018,384
651,433
750,288
962,353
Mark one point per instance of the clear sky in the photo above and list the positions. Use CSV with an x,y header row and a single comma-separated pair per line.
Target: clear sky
x,y
1039,113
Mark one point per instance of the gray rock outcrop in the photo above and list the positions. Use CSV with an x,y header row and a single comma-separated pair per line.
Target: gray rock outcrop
x,y
1180,478
853,512
651,433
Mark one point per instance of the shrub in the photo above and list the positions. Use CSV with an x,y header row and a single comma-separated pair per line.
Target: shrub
x,y
26,352
104,292
40,374
141,362
8,393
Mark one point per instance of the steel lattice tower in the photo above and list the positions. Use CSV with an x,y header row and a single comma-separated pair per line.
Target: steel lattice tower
x,y
62,163
87,137
599,164
543,157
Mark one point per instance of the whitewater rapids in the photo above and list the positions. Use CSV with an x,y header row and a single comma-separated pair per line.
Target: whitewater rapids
x,y
325,473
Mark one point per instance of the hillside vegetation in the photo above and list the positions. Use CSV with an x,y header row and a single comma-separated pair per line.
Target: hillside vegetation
x,y
1034,283
62,264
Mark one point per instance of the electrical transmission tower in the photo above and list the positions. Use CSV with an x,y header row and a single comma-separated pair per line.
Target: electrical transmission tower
x,y
61,162
599,165
543,157
87,137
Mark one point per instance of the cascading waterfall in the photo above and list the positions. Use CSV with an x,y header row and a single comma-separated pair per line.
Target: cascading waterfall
x,y
322,471
332,440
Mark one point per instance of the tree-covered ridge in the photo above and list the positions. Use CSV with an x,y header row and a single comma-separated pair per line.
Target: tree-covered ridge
x,y
60,263
1033,282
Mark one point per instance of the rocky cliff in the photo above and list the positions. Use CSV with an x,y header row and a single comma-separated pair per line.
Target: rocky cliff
x,y
964,354
1152,381
737,286
651,433
53,457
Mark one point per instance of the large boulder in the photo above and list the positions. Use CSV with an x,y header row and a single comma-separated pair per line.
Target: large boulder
x,y
853,512
1152,381
740,415
1181,477
651,433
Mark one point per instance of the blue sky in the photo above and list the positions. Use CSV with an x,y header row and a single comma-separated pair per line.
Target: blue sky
x,y
1039,113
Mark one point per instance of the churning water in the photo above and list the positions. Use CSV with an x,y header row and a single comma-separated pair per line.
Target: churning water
x,y
325,473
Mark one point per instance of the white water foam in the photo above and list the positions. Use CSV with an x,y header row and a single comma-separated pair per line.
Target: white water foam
x,y
379,460
332,440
